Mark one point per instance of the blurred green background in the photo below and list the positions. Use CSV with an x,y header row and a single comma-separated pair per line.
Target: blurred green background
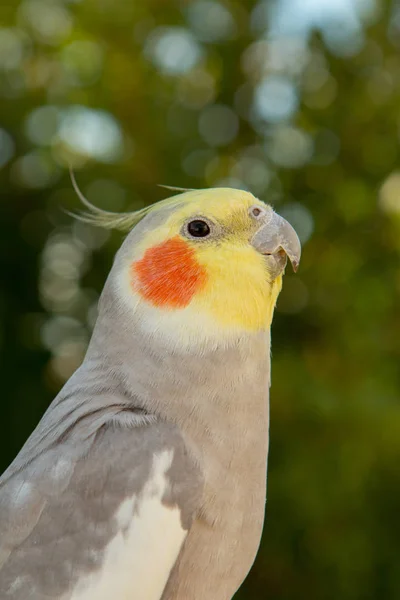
x,y
297,101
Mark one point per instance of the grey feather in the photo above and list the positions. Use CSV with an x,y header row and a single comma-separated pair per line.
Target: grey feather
x,y
131,397
56,512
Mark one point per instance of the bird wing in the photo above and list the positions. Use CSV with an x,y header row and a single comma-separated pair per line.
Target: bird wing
x,y
99,512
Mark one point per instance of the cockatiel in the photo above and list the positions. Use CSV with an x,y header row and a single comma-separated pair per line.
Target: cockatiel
x,y
146,477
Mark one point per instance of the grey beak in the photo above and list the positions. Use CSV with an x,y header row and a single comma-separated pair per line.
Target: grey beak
x,y
276,235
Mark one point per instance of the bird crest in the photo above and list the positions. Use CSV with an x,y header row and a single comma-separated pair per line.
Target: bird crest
x,y
124,221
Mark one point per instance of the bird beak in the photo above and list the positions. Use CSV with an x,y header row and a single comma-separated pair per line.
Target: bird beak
x,y
277,240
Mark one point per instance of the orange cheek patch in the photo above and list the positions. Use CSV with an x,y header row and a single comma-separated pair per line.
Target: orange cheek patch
x,y
168,275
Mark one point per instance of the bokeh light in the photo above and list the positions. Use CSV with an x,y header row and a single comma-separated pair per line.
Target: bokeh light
x,y
14,46
290,147
92,133
389,194
42,124
49,22
174,50
35,170
218,125
211,21
82,61
7,147
275,99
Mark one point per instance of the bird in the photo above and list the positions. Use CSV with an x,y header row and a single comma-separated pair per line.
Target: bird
x,y
146,477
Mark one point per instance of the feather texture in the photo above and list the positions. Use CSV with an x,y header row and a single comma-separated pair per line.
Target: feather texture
x,y
121,221
146,477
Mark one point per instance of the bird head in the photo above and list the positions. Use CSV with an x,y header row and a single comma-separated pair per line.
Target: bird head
x,y
204,262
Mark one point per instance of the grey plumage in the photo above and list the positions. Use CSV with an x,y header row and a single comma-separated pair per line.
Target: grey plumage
x,y
136,396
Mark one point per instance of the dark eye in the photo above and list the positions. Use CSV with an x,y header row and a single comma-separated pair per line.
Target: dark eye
x,y
198,228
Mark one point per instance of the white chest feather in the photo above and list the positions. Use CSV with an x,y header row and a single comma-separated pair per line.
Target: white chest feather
x,y
139,559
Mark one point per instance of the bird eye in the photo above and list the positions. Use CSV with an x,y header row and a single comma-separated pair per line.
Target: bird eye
x,y
198,228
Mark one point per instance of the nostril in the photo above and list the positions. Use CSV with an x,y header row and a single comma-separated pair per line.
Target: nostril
x,y
279,252
256,211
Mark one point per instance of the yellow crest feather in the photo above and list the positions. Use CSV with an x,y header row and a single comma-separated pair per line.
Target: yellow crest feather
x,y
121,221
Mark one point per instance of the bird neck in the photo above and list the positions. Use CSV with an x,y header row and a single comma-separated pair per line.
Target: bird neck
x,y
222,378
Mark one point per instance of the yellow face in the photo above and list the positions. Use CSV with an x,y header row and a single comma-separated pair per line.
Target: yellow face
x,y
200,263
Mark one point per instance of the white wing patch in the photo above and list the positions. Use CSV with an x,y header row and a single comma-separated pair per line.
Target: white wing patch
x,y
139,559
